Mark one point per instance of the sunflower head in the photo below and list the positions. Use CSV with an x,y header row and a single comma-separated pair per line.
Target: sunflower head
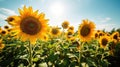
x,y
69,34
101,34
4,32
71,28
107,34
1,45
30,25
6,27
98,31
86,30
104,40
119,39
0,28
9,30
45,38
115,37
96,35
12,20
65,24
77,44
55,31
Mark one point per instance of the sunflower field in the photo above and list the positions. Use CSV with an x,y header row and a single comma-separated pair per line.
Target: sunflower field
x,y
29,41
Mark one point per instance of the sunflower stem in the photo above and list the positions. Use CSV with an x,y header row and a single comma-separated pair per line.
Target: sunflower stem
x,y
30,55
62,37
80,54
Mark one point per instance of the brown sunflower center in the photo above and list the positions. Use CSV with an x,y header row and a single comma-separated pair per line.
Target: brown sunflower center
x,y
104,42
115,37
65,25
54,31
11,19
96,35
71,28
3,32
30,25
6,27
85,30
9,30
69,33
100,34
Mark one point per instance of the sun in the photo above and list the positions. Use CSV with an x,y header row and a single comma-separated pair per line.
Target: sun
x,y
57,9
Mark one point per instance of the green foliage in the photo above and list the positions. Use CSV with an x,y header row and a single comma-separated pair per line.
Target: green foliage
x,y
56,53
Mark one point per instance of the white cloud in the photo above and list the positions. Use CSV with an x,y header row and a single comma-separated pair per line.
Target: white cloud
x,y
2,16
107,27
101,19
106,19
7,12
4,13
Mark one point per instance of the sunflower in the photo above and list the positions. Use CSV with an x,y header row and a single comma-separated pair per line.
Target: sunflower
x,y
1,45
108,34
55,31
115,36
86,30
104,41
96,35
65,24
45,38
101,34
30,25
71,28
98,31
69,34
12,20
4,32
77,44
0,29
9,30
6,27
118,39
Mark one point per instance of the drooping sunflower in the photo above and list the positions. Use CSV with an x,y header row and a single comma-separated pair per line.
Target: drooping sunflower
x,y
77,44
104,40
86,30
30,25
65,24
55,31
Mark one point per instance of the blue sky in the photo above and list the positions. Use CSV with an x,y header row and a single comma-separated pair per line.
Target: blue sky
x,y
104,13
